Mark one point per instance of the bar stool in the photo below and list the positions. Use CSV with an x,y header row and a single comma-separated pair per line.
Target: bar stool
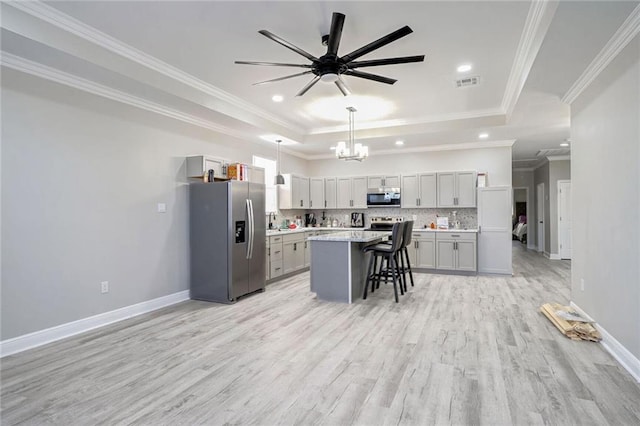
x,y
403,252
386,252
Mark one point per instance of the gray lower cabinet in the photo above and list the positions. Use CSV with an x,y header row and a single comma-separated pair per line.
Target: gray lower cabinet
x,y
422,252
456,252
275,257
293,252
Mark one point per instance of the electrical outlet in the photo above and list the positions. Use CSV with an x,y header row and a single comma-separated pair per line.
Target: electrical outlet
x,y
162,208
582,284
104,287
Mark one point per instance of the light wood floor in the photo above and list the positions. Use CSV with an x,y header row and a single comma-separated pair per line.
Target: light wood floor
x,y
456,350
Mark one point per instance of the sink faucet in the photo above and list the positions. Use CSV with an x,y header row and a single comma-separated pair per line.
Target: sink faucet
x,y
274,219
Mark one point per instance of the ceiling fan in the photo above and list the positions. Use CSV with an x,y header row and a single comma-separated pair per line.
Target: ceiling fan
x,y
330,67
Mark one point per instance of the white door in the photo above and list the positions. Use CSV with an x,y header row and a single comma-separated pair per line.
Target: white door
x,y
494,230
564,219
540,216
316,193
359,192
428,190
343,193
409,191
330,188
466,189
446,189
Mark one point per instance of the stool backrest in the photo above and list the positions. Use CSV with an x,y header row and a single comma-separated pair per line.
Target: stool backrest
x,y
406,235
396,235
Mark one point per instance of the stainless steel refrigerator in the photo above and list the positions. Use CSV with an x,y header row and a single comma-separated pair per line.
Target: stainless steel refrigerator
x,y
227,239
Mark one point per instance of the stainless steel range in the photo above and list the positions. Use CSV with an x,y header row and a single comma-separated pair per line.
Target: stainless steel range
x,y
383,223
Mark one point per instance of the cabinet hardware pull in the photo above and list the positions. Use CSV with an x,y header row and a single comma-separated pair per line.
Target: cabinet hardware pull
x,y
325,203
310,203
277,269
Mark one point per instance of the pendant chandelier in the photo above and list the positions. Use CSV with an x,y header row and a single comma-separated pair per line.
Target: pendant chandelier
x,y
355,151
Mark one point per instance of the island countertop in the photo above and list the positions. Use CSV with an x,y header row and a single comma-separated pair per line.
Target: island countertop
x,y
351,236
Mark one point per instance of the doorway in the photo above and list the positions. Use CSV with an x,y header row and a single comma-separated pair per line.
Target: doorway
x,y
520,214
564,219
540,217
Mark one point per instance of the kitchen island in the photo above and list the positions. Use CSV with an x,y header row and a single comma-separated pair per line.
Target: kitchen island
x,y
338,264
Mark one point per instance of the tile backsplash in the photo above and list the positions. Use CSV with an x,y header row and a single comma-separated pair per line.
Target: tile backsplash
x,y
468,217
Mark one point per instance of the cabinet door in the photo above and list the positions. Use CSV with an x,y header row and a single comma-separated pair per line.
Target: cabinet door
x,y
409,191
296,194
412,249
330,193
426,254
359,192
344,193
316,193
288,258
375,181
445,255
304,192
216,164
446,189
466,255
307,249
428,190
298,255
466,189
392,181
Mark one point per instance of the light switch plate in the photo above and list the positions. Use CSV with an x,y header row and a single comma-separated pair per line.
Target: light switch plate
x,y
162,208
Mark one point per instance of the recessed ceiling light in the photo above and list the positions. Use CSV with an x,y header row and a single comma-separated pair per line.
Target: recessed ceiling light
x,y
483,135
564,144
277,98
399,143
332,148
464,68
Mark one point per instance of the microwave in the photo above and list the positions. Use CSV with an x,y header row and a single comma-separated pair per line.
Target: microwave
x,y
383,197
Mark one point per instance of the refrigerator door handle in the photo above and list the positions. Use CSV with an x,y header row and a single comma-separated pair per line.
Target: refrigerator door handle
x,y
250,224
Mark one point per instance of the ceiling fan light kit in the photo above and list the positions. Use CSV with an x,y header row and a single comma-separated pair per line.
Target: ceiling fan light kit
x,y
330,67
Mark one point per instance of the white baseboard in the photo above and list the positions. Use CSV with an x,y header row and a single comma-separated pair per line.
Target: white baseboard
x,y
615,348
39,338
552,256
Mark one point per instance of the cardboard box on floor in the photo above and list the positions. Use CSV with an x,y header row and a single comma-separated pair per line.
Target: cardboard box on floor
x,y
575,330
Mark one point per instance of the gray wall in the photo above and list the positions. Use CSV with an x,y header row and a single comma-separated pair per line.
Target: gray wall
x,y
81,179
541,175
605,179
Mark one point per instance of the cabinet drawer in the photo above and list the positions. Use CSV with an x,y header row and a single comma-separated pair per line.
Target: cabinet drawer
x,y
294,238
275,252
453,236
275,239
276,268
423,236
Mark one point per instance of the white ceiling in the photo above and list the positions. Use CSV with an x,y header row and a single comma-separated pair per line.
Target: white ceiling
x,y
178,57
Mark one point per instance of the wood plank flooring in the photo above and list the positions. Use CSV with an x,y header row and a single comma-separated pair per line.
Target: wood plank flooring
x,y
455,350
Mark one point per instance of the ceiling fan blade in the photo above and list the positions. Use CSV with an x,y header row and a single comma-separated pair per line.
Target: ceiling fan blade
x,y
281,78
337,22
273,64
288,45
387,61
377,44
368,76
343,87
308,86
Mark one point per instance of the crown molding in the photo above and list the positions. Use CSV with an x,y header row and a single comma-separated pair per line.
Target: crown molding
x,y
558,157
42,71
522,169
69,24
444,147
539,18
410,122
627,31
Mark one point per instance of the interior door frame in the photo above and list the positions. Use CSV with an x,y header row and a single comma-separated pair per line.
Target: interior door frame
x,y
529,216
540,222
560,252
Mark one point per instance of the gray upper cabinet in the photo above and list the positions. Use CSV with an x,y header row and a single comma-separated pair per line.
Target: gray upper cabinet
x,y
419,190
351,192
198,165
389,181
330,193
294,194
456,189
316,193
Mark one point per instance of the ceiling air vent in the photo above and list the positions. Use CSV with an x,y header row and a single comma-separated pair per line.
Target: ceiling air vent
x,y
468,81
553,151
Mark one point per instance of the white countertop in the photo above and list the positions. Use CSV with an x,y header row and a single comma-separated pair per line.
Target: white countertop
x,y
316,228
455,231
352,236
